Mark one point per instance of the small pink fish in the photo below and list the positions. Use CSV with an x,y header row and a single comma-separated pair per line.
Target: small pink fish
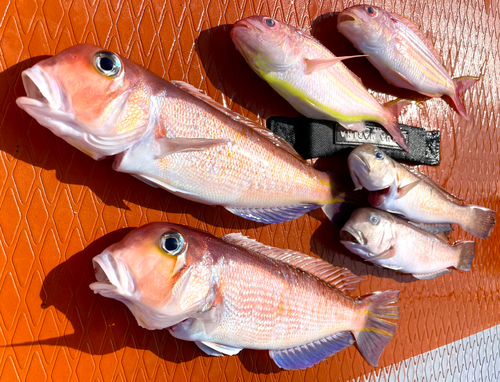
x,y
401,53
397,189
310,77
391,242
233,293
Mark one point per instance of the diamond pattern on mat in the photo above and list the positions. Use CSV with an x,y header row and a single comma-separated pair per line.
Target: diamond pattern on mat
x,y
58,207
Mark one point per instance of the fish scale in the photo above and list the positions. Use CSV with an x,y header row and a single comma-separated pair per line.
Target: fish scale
x,y
234,293
169,135
287,313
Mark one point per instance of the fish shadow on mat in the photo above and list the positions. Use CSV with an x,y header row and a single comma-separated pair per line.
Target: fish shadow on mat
x,y
228,72
324,29
27,141
98,325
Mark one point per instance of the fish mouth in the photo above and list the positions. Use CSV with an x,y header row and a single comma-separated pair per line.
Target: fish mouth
x,y
346,18
44,97
350,235
113,278
357,167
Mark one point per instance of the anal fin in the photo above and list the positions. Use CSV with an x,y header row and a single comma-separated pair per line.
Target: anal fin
x,y
307,355
275,214
355,126
428,276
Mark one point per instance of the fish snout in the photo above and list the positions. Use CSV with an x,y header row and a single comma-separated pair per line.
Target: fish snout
x,y
352,235
345,17
112,276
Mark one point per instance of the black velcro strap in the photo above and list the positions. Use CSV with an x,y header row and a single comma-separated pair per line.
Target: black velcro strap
x,y
313,138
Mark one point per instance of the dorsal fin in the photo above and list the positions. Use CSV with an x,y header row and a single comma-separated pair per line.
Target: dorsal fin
x,y
434,185
340,278
268,134
419,34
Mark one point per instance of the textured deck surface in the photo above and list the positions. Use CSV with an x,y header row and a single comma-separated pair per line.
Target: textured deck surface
x,y
59,208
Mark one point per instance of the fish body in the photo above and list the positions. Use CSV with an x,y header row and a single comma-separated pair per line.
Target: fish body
x,y
391,242
401,53
311,78
234,293
399,190
172,136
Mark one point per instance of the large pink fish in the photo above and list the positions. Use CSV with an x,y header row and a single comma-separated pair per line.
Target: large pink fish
x,y
310,77
233,293
401,53
170,135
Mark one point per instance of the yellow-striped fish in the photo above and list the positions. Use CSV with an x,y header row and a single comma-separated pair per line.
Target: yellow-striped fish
x,y
401,53
311,78
172,136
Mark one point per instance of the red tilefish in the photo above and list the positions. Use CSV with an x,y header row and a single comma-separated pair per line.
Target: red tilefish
x,y
234,293
170,135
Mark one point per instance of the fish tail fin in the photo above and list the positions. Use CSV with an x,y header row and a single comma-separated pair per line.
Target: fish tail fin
x,y
395,131
343,200
481,221
455,100
376,333
467,252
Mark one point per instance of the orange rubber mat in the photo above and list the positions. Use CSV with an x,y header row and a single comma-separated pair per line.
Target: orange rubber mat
x,y
59,208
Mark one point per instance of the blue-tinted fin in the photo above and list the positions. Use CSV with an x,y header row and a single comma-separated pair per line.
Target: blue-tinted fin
x,y
304,356
273,215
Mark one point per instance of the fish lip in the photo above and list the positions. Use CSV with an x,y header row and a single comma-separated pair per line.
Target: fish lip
x,y
242,24
345,17
41,89
112,277
351,235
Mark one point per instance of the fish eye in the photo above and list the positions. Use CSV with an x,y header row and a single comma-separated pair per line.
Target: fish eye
x,y
107,63
371,11
379,155
270,22
374,219
172,243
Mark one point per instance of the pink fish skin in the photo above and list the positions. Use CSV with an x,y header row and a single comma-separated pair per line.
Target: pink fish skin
x,y
172,136
391,242
401,53
398,189
310,77
233,293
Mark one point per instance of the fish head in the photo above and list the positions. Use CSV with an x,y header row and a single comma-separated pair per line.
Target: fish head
x,y
160,271
371,168
368,232
92,98
268,45
366,26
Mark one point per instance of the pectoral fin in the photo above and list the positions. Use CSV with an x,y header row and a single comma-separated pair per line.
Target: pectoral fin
x,y
170,146
324,63
405,189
